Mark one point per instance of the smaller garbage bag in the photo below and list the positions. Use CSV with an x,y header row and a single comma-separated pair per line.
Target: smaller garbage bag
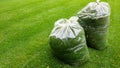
x,y
94,18
67,41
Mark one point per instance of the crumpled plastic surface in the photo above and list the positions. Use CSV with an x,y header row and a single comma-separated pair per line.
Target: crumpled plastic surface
x,y
94,18
67,41
95,10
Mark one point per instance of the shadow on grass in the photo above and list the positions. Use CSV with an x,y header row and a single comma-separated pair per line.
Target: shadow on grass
x,y
45,59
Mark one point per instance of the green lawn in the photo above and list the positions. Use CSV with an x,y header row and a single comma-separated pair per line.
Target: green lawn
x,y
25,26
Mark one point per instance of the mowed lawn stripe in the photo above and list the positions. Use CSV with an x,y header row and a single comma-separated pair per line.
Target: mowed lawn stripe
x,y
24,14
29,9
21,29
11,5
46,30
9,33
18,56
17,30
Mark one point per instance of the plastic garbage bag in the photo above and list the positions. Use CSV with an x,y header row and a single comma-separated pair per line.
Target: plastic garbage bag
x,y
94,18
67,41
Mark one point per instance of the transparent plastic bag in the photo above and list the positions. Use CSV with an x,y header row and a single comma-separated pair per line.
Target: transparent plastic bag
x,y
94,18
67,41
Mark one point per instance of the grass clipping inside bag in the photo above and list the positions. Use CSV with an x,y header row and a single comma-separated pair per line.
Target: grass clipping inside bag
x,y
94,18
67,40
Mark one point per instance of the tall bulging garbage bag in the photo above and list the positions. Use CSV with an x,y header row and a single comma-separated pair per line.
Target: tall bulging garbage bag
x,y
67,41
94,18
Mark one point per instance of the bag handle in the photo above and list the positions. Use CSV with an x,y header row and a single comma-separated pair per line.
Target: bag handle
x,y
97,1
